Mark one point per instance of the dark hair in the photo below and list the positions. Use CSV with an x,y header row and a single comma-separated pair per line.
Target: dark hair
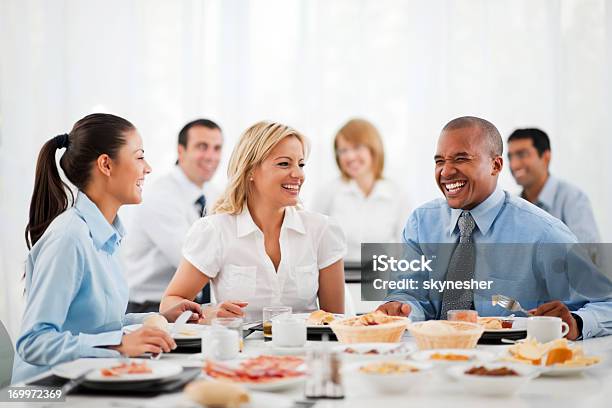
x,y
538,137
489,131
183,137
92,136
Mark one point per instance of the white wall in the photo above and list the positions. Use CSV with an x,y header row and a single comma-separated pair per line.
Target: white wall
x,y
409,66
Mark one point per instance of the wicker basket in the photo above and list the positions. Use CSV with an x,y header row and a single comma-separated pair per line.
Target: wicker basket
x,y
381,333
465,337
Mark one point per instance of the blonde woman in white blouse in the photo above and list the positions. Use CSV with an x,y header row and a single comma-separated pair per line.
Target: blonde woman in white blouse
x,y
368,207
259,248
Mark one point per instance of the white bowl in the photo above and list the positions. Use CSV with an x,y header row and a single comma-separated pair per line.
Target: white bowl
x,y
493,386
383,351
475,356
394,383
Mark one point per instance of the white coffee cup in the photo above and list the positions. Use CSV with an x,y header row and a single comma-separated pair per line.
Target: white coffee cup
x,y
546,328
288,332
219,343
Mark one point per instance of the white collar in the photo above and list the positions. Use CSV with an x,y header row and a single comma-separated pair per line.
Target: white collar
x,y
192,191
381,189
245,224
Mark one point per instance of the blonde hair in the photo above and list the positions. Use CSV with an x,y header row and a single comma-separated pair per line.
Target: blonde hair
x,y
360,131
252,149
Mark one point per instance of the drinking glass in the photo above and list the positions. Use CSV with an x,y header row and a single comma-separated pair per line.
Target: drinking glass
x,y
231,323
269,313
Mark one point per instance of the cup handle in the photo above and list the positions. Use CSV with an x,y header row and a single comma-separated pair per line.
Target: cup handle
x,y
565,329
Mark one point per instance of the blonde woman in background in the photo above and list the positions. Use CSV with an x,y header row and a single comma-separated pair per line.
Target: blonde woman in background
x,y
259,248
368,207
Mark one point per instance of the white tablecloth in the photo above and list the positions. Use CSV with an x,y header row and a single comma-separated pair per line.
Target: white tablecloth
x,y
589,389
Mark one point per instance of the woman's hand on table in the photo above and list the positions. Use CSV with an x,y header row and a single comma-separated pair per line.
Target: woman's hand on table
x,y
173,312
229,308
395,309
145,340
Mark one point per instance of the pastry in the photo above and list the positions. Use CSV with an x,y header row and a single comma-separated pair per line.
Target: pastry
x,y
320,318
156,321
216,394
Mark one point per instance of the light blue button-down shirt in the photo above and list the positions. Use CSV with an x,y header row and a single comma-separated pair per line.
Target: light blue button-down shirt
x,y
531,274
569,204
76,294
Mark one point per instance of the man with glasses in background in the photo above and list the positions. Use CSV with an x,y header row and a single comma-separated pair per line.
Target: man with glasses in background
x,y
529,157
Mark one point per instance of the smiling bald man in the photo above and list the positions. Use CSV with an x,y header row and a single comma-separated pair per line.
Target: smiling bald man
x,y
474,211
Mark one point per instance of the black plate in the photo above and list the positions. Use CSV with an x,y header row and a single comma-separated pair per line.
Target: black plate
x,y
312,333
143,389
490,337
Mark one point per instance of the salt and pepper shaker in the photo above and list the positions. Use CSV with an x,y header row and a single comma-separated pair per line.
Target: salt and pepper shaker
x,y
324,372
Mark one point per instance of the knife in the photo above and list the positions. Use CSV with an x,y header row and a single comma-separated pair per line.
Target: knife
x,y
179,324
75,382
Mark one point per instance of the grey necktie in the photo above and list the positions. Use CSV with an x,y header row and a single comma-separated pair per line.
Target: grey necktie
x,y
461,268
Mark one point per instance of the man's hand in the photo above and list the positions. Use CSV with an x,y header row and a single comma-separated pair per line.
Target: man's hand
x,y
395,309
172,313
557,308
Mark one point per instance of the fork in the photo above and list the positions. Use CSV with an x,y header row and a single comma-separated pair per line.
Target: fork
x,y
508,303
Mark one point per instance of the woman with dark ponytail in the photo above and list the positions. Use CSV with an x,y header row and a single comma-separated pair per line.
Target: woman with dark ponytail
x,y
76,295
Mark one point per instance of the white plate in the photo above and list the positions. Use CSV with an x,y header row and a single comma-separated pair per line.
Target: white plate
x,y
383,350
561,371
274,385
191,331
314,326
493,386
74,369
390,383
287,351
519,324
475,355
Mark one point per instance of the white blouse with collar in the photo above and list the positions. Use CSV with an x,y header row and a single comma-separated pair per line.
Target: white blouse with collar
x,y
377,218
229,249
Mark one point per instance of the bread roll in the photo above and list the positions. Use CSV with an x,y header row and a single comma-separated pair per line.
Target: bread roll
x,y
320,317
490,323
157,321
216,394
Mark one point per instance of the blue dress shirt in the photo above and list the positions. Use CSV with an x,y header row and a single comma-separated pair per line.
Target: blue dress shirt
x,y
76,294
569,204
531,275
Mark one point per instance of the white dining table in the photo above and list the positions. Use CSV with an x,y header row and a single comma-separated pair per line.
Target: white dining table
x,y
592,388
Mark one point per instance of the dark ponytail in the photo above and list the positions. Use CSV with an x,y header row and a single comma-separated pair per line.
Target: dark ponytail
x,y
92,136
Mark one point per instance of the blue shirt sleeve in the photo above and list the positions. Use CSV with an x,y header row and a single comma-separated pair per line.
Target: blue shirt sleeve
x,y
135,318
422,308
578,216
571,276
54,282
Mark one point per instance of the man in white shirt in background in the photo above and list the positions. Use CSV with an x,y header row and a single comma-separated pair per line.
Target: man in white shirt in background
x,y
171,204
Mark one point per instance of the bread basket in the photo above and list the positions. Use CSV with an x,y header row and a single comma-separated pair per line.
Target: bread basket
x,y
390,332
465,335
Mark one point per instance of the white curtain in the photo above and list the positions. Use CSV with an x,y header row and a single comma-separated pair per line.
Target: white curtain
x,y
408,66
